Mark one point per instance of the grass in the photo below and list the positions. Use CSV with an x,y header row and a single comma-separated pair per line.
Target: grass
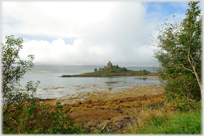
x,y
166,122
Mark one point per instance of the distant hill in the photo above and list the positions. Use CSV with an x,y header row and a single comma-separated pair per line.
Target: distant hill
x,y
62,69
78,68
151,69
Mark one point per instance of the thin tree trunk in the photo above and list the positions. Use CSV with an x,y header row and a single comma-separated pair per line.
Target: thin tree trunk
x,y
198,80
196,74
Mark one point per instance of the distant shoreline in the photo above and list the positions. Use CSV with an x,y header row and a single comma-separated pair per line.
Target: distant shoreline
x,y
105,75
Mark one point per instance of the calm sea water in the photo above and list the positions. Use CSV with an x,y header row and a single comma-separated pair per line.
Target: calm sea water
x,y
53,86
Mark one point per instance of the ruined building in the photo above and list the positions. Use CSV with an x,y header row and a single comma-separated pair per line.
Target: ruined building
x,y
109,66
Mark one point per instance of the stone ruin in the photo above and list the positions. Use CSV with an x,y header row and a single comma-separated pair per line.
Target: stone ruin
x,y
109,66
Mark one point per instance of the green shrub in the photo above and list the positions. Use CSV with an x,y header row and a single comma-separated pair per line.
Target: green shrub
x,y
183,104
113,71
33,118
124,69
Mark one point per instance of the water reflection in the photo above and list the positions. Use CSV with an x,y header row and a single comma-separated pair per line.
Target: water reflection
x,y
144,78
111,83
110,88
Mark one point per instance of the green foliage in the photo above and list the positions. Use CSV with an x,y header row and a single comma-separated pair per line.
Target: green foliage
x,y
124,69
36,118
58,120
13,69
180,55
95,69
113,71
146,72
116,71
183,104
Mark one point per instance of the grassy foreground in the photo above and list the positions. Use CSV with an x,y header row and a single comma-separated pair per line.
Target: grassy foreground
x,y
169,122
33,117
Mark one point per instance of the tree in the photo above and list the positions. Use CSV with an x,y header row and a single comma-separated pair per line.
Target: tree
x,y
95,69
124,69
145,72
180,55
13,69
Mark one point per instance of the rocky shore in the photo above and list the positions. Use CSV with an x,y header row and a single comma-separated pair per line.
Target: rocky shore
x,y
109,115
110,112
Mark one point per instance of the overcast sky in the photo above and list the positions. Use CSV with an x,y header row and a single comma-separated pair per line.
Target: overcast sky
x,y
88,33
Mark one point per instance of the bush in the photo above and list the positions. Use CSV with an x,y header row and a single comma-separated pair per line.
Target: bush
x,y
145,72
113,71
124,69
183,104
35,118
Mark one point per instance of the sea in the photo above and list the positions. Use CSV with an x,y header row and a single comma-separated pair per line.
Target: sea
x,y
52,85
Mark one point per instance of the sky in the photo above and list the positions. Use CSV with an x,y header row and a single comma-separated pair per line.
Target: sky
x,y
88,32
